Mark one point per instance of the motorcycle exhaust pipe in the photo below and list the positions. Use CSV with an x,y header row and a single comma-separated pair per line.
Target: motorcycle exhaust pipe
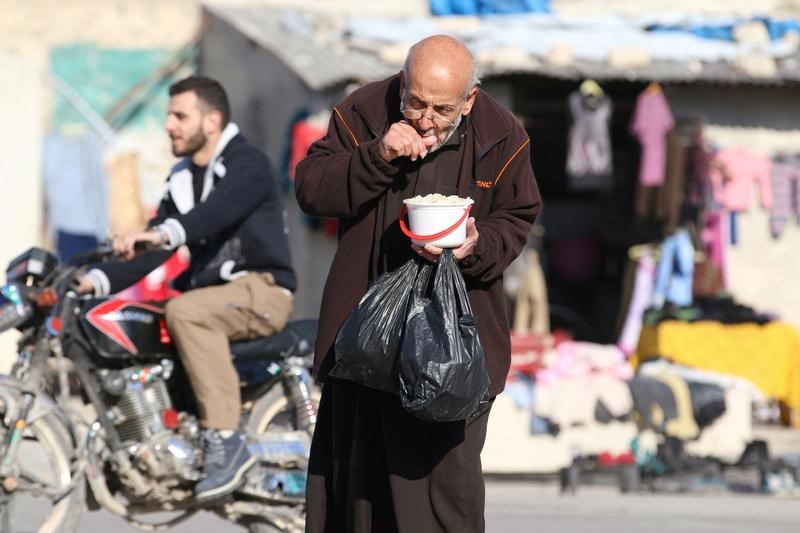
x,y
97,480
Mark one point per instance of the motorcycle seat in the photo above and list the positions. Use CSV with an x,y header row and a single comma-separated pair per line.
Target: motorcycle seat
x,y
296,339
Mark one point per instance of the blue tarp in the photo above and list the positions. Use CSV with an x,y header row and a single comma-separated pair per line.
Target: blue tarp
x,y
724,31
488,7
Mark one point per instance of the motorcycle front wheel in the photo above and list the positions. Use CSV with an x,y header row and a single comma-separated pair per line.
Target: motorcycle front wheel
x,y
35,497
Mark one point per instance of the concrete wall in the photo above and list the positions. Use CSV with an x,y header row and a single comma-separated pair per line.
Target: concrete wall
x,y
763,271
21,214
266,97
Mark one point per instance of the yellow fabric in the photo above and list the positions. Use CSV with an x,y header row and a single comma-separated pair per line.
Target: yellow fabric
x,y
767,356
683,426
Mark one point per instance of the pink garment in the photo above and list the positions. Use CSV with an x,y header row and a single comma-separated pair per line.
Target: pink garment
x,y
652,120
584,359
714,236
732,174
640,300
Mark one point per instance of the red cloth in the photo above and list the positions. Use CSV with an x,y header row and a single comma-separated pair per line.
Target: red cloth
x,y
528,349
304,134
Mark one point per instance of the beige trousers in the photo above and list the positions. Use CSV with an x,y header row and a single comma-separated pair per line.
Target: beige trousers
x,y
531,314
203,321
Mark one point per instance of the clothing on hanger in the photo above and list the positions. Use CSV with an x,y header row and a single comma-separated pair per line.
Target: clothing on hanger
x,y
675,271
76,182
591,89
589,156
653,88
641,297
652,120
531,313
733,172
785,181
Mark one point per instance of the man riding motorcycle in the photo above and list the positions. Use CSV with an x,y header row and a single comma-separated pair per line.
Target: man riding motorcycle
x,y
222,201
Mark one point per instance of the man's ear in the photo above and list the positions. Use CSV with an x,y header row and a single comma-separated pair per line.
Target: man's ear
x,y
213,121
470,101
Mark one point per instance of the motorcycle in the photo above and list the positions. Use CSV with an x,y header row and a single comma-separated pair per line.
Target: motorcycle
x,y
99,396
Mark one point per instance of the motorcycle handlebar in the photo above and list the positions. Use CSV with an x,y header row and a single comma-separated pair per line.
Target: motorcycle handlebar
x,y
99,253
102,252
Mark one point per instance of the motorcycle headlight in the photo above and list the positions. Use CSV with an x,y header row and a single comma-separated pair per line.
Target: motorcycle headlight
x,y
14,310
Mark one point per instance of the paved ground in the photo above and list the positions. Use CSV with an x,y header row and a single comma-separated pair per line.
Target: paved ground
x,y
524,506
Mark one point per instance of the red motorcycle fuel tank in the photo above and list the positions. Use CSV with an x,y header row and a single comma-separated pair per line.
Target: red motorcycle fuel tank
x,y
124,330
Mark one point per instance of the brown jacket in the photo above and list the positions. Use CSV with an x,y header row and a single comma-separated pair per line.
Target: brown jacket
x,y
343,176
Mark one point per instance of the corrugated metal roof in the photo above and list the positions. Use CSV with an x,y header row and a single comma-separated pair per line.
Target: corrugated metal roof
x,y
667,72
325,50
284,34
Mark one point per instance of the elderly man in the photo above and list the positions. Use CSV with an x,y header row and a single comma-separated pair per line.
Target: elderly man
x,y
428,129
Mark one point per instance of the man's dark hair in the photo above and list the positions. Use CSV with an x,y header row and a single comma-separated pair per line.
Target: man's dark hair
x,y
208,90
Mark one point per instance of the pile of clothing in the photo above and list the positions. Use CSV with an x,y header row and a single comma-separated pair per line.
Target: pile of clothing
x,y
584,400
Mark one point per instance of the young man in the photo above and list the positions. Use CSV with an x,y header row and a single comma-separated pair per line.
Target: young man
x,y
224,203
428,129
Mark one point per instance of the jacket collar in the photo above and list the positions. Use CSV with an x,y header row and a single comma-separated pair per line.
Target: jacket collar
x,y
180,180
490,123
215,165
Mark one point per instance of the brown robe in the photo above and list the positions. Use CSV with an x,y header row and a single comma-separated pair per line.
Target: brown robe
x,y
375,467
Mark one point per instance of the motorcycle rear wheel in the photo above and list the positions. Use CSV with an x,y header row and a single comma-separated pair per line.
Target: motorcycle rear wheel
x,y
274,412
46,437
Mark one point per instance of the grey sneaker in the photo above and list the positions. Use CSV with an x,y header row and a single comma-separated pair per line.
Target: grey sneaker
x,y
224,463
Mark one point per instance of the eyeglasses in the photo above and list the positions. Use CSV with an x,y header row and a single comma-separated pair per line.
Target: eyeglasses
x,y
416,109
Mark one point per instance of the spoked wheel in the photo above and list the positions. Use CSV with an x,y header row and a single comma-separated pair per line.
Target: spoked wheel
x,y
36,496
275,414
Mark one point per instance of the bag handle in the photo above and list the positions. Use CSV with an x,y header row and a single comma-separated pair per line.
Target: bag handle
x,y
435,236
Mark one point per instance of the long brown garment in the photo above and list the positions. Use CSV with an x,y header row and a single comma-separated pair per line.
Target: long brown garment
x,y
374,467
377,468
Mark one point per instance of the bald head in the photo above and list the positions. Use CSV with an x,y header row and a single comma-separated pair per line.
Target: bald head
x,y
438,87
441,59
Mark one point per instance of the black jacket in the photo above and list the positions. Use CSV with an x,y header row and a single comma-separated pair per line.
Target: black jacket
x,y
239,225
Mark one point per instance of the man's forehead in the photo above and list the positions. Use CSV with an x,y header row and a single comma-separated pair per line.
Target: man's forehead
x,y
439,90
185,100
437,77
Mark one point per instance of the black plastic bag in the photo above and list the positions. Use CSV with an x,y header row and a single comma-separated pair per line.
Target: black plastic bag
x,y
368,341
443,374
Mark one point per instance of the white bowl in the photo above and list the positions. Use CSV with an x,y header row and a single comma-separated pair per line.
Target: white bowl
x,y
431,218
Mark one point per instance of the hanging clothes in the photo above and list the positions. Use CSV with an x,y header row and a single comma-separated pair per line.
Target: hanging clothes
x,y
671,194
733,171
652,120
589,164
713,235
699,157
531,310
675,271
640,299
76,187
785,180
304,134
664,202
707,279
